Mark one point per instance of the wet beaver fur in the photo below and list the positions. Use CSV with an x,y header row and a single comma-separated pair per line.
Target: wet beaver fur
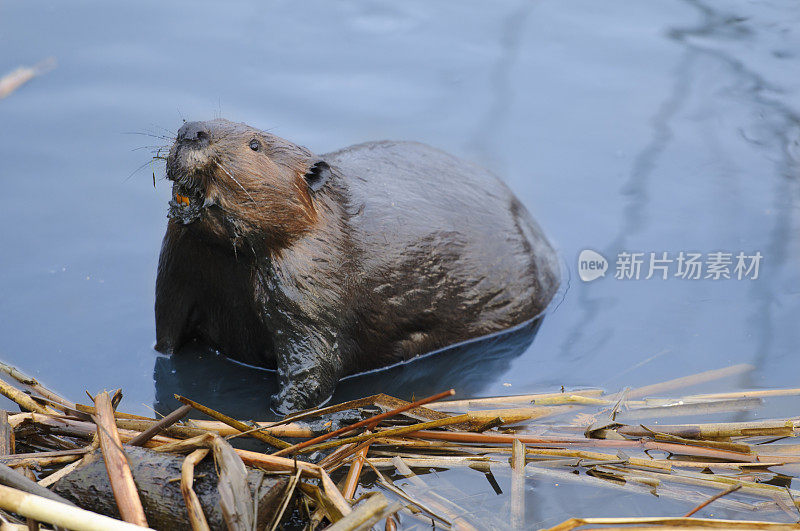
x,y
325,266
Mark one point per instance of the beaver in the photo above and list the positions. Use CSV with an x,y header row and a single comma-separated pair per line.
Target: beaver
x,y
323,266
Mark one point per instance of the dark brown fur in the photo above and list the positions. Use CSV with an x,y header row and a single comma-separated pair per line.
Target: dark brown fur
x,y
328,266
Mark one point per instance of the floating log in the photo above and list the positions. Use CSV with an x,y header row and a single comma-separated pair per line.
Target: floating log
x,y
157,477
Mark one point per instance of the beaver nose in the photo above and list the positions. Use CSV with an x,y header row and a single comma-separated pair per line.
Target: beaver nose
x,y
194,132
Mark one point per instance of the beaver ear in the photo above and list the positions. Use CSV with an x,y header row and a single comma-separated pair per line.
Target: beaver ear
x,y
318,175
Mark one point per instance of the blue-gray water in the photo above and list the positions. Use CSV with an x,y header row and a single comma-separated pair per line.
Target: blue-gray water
x,y
642,126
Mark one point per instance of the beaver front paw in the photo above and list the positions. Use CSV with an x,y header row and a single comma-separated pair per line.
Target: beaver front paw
x,y
294,398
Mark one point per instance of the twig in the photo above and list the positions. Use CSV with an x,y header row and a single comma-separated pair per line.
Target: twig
x,y
713,498
287,497
560,442
119,473
31,382
372,420
292,429
390,432
196,517
353,475
233,423
60,473
160,426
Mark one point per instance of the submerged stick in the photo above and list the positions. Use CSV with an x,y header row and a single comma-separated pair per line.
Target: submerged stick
x,y
458,521
762,393
712,499
119,473
366,422
687,381
572,523
57,513
233,423
402,494
518,485
195,510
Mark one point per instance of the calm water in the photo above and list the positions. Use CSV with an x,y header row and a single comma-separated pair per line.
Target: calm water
x,y
646,127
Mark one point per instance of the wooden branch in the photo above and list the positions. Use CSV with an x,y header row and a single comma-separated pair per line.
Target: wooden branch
x,y
33,384
160,426
363,515
6,435
24,401
366,422
119,473
353,475
233,423
57,513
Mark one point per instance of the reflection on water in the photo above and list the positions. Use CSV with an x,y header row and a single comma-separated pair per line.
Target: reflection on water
x,y
211,379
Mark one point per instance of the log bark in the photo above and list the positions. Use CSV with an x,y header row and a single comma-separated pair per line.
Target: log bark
x,y
157,478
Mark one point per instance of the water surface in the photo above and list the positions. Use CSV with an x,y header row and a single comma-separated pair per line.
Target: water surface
x,y
648,127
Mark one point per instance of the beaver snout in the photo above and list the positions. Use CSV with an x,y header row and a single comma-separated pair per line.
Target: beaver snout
x,y
194,132
192,152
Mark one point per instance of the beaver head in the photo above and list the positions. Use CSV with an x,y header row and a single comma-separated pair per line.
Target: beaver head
x,y
234,182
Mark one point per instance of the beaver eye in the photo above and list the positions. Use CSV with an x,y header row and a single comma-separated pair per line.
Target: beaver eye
x,y
255,145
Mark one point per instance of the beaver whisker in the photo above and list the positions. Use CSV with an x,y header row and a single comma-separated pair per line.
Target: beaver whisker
x,y
151,148
137,169
234,180
166,130
160,137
